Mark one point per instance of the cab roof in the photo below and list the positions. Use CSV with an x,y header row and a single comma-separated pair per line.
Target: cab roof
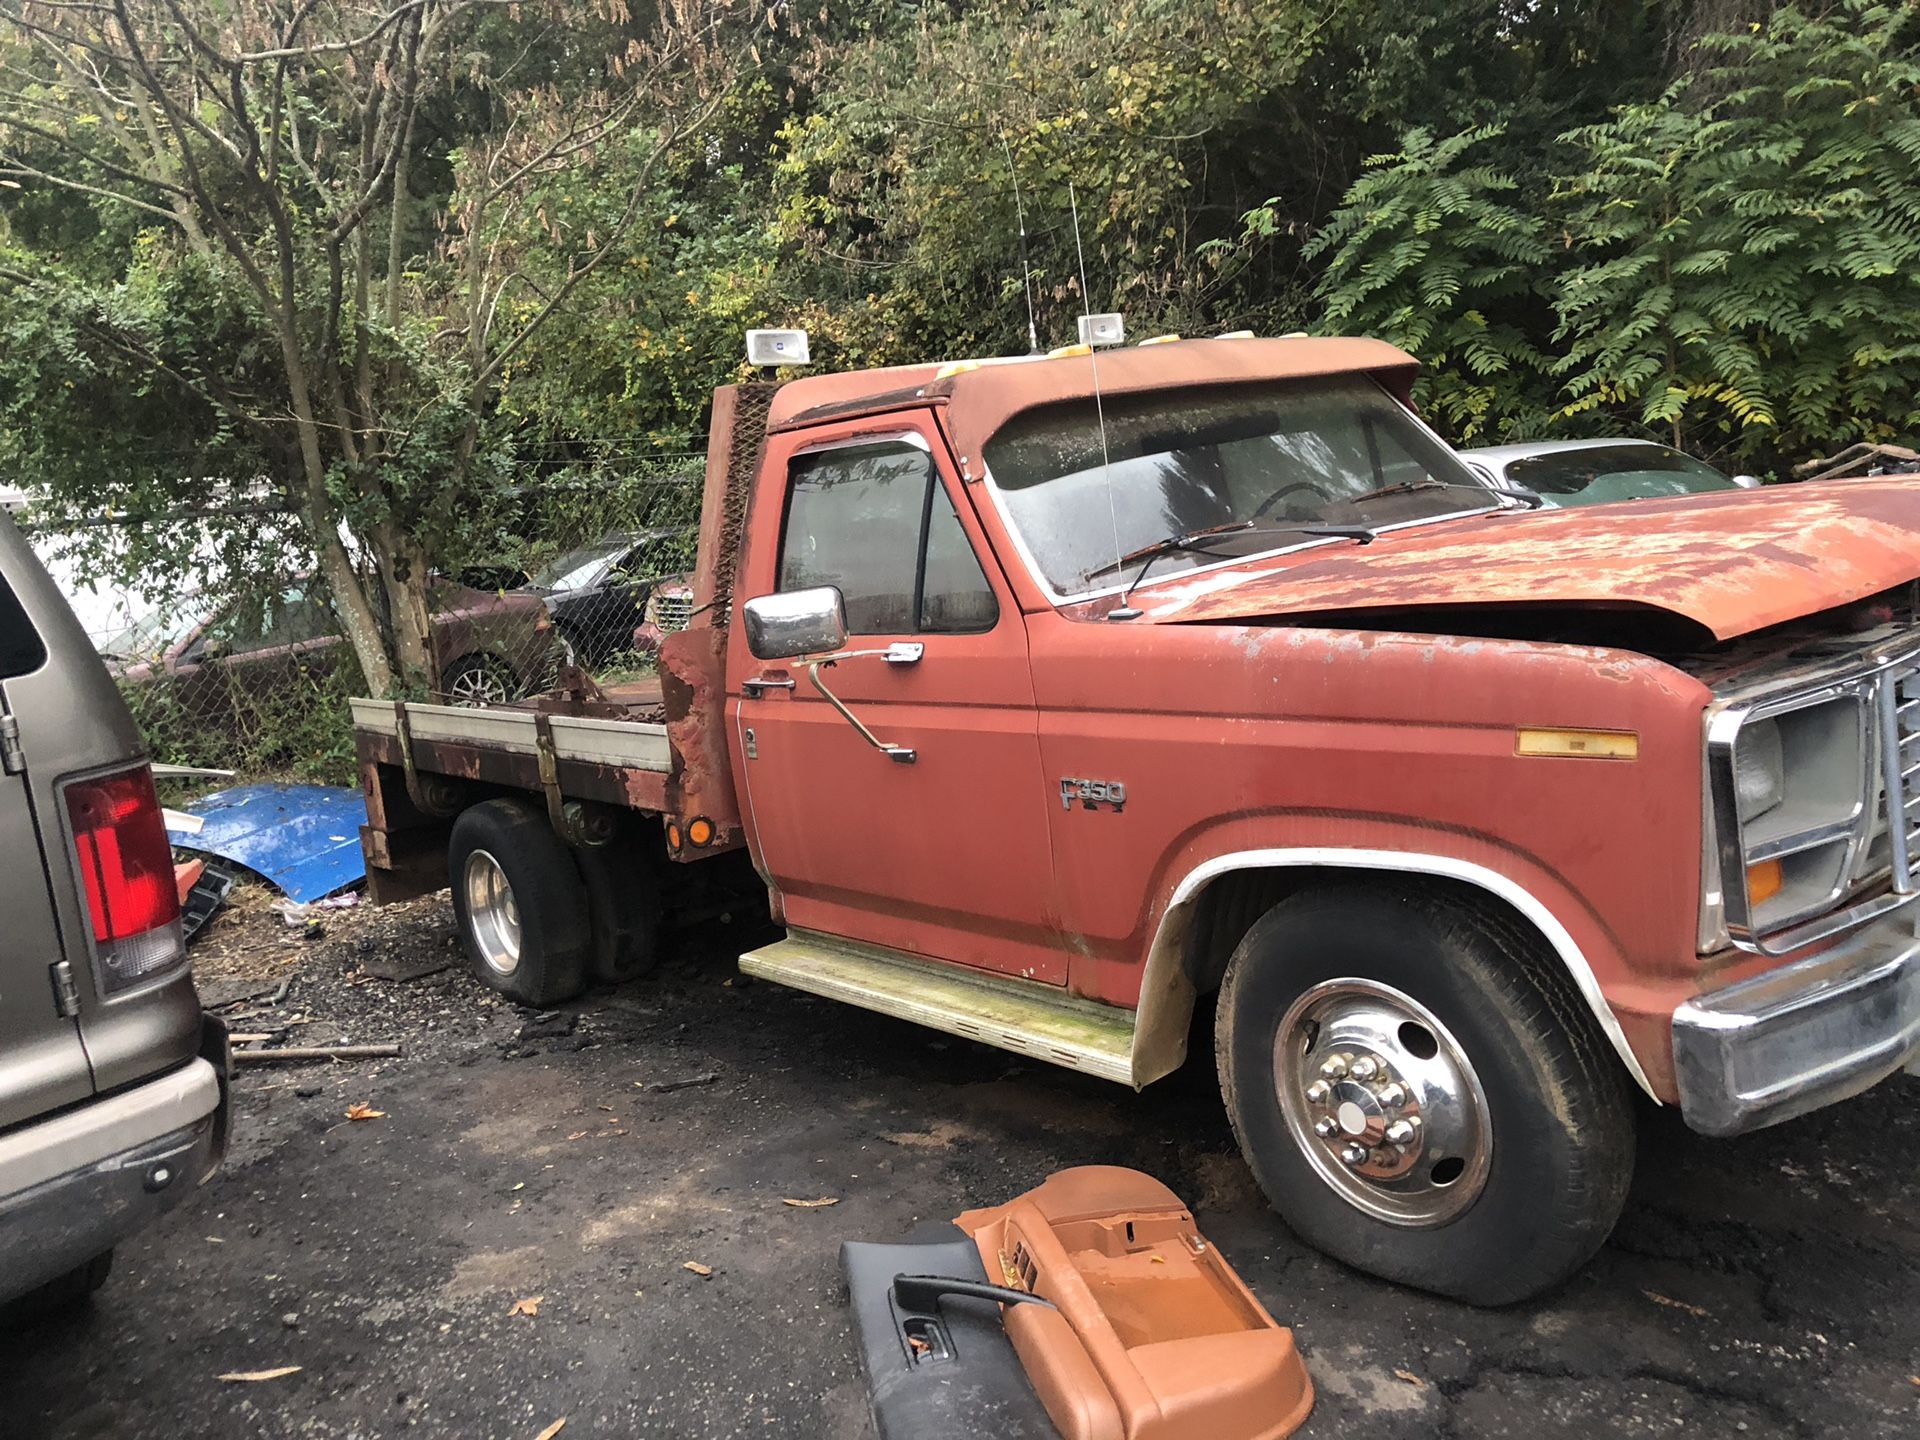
x,y
981,396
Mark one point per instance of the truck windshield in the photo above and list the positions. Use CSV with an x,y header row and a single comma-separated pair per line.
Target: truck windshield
x,y
1280,455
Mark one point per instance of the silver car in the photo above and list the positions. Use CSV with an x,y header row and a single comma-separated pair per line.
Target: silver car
x,y
113,1086
1566,473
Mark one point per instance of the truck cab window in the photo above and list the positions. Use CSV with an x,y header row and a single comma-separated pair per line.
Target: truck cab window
x,y
875,521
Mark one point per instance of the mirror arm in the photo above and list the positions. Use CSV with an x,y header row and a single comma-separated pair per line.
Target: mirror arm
x,y
899,754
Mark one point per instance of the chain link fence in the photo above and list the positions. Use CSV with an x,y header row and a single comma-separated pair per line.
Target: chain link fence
x,y
588,565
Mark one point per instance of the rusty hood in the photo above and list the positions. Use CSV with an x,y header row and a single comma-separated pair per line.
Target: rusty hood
x,y
1731,562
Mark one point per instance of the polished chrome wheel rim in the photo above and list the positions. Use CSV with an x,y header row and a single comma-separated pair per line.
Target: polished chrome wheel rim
x,y
492,915
1382,1101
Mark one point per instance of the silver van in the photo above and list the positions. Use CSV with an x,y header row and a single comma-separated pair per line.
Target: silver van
x,y
113,1086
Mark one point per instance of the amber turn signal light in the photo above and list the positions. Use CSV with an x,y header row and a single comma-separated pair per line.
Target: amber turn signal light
x,y
1764,881
700,831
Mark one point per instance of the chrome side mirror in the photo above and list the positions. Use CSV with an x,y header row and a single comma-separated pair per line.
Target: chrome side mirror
x,y
798,622
1747,482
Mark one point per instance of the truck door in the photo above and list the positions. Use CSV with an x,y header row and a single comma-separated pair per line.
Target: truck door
x,y
947,856
43,1064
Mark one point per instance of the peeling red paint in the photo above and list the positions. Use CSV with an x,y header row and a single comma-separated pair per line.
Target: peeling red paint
x,y
1733,562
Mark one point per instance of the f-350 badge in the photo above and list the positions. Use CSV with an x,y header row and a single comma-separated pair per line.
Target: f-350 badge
x,y
1093,794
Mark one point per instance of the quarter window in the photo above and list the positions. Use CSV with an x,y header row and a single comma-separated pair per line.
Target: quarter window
x,y
875,521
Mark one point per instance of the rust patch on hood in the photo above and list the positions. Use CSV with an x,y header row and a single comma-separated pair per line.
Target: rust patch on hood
x,y
1733,562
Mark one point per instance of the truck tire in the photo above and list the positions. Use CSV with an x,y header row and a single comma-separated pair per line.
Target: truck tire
x,y
519,902
1422,1093
623,903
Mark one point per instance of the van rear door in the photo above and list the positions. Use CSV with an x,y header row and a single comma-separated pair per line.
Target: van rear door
x,y
87,784
43,1064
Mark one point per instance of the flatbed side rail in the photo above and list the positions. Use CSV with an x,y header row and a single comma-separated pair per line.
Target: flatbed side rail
x,y
625,744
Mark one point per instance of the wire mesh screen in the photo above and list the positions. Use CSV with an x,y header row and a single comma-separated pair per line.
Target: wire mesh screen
x,y
243,665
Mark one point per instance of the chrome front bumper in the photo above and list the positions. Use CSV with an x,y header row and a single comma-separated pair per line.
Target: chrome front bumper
x,y
1802,1036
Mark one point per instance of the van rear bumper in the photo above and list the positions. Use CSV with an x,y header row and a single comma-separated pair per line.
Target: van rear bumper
x,y
75,1185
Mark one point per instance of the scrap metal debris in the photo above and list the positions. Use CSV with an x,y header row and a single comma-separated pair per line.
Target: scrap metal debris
x,y
390,1050
664,1087
304,839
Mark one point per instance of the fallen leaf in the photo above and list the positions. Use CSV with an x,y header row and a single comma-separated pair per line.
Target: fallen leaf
x,y
1411,1379
527,1305
360,1110
697,1268
521,1186
552,1430
606,1107
579,1135
1697,1311
917,1345
1157,1259
821,1203
249,1377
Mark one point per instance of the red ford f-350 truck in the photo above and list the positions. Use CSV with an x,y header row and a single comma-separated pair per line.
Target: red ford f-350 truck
x,y
1053,699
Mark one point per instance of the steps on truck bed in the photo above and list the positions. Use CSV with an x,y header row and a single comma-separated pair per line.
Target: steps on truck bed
x,y
1019,1015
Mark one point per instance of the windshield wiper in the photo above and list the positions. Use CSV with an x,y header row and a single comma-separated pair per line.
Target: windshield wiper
x,y
1166,545
1408,487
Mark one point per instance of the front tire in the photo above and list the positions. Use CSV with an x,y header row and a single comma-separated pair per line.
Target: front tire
x,y
519,903
1422,1093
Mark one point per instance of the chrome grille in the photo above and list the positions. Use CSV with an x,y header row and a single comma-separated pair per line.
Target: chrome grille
x,y
1898,699
673,612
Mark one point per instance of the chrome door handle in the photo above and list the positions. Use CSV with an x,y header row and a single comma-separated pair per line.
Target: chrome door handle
x,y
759,683
904,652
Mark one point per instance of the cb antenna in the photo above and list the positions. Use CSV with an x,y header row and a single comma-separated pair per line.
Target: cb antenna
x,y
1026,270
1094,329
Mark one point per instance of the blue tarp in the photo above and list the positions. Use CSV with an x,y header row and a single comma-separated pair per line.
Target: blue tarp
x,y
303,838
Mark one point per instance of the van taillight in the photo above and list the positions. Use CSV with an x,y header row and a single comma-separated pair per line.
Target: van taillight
x,y
126,868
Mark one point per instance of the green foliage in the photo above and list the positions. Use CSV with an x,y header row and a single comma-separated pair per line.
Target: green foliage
x,y
1746,267
1429,252
298,728
1731,266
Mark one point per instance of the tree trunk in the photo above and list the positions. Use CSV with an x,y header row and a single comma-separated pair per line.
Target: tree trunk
x,y
405,572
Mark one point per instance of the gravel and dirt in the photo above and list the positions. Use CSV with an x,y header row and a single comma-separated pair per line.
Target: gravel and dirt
x,y
507,1243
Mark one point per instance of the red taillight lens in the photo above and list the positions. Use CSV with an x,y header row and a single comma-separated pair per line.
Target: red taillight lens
x,y
126,868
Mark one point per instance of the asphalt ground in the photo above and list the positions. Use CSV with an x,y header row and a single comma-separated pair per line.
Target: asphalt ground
x,y
1768,1286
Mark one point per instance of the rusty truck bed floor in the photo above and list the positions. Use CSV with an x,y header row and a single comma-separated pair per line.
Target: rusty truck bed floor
x,y
1764,1287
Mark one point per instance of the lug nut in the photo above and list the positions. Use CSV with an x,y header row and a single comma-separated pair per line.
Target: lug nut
x,y
1365,1068
1391,1095
1335,1067
1318,1092
1326,1127
1354,1154
1402,1132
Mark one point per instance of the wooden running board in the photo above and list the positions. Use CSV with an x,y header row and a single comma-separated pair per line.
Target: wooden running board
x,y
1024,1016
